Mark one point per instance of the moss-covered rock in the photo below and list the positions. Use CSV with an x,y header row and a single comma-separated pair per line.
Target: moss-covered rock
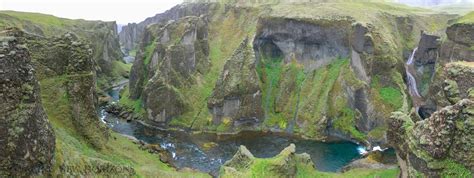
x,y
101,36
237,94
27,141
69,58
285,164
441,145
174,54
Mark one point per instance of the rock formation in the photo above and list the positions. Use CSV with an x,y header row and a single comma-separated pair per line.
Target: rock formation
x,y
69,58
335,74
101,36
178,51
27,141
285,164
440,145
132,34
237,94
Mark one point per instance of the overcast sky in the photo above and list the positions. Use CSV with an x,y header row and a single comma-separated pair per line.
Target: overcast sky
x,y
122,11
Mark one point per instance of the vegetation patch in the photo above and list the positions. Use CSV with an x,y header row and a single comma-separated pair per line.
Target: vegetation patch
x,y
346,124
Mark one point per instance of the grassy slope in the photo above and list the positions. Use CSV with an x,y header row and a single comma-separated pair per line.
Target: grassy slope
x,y
72,151
468,18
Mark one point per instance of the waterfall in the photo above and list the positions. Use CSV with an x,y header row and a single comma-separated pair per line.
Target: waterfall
x,y
411,79
410,60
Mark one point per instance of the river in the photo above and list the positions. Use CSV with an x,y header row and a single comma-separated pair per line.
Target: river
x,y
207,152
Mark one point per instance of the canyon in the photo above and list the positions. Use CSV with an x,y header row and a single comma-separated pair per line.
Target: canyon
x,y
240,89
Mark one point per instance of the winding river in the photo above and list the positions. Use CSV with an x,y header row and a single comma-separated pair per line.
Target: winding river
x,y
207,152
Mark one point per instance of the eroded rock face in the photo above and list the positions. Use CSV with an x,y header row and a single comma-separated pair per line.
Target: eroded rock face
x,y
237,94
69,58
27,141
180,50
459,44
311,44
132,34
443,142
425,60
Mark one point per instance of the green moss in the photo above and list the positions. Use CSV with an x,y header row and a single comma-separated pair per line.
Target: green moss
x,y
75,155
120,68
135,105
228,29
387,95
391,96
149,52
346,124
454,169
377,133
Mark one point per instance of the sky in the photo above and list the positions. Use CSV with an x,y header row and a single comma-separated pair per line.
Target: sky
x,y
122,11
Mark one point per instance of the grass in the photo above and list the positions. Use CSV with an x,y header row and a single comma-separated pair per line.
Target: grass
x,y
135,105
391,96
120,68
453,169
76,155
346,124
149,52
467,19
266,167
228,29
388,95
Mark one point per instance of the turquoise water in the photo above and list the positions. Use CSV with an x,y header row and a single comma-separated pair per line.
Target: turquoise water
x,y
188,150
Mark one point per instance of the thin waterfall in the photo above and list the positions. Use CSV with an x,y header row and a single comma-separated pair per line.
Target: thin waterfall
x,y
411,82
411,79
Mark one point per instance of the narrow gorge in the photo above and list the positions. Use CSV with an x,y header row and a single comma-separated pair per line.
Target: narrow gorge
x,y
230,88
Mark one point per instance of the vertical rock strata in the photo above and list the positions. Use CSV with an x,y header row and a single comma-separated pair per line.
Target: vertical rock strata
x,y
69,61
179,51
27,141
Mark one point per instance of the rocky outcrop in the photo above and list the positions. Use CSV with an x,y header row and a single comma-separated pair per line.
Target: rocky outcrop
x,y
425,59
440,145
459,46
132,34
27,141
69,60
237,94
285,164
174,54
101,36
312,44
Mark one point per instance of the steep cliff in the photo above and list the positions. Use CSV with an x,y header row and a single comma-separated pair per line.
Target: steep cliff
x,y
320,73
132,34
68,61
440,145
27,141
102,37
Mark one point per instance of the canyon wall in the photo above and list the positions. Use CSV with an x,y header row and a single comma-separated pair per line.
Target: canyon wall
x,y
269,67
26,137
